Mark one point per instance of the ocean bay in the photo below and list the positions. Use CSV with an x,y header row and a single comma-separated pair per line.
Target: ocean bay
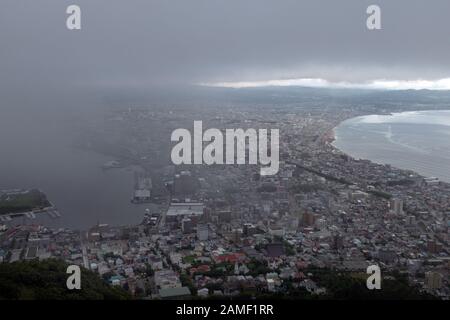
x,y
414,140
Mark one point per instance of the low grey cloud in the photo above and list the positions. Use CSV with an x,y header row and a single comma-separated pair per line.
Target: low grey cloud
x,y
139,43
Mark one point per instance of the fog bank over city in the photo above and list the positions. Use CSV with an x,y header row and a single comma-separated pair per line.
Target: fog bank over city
x,y
128,44
245,151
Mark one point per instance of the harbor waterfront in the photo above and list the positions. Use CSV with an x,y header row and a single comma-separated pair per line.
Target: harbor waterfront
x,y
74,179
414,140
226,227
234,158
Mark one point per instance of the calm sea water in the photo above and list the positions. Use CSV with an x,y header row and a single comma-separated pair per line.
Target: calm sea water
x,y
37,151
418,140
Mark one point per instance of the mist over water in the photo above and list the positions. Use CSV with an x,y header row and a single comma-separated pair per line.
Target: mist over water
x,y
38,150
418,141
39,143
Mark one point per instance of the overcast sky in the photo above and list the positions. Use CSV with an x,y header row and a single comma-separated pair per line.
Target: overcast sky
x,y
128,43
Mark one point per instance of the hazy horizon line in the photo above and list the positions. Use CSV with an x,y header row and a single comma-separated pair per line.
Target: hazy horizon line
x,y
377,84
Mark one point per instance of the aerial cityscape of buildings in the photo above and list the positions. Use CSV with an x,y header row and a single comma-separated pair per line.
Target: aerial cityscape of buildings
x,y
225,230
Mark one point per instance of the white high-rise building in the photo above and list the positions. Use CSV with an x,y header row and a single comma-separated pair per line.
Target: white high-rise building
x,y
396,206
202,232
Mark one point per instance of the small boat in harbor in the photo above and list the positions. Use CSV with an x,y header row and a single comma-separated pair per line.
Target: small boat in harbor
x,y
113,164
